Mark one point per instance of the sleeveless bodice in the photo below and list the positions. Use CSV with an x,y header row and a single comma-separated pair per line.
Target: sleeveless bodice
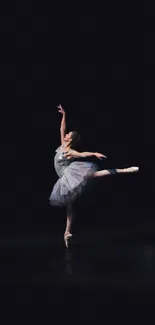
x,y
60,161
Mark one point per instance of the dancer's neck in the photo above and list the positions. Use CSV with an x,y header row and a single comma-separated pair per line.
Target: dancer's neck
x,y
66,145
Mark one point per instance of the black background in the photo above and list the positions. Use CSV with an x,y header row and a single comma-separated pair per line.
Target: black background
x,y
99,64
91,63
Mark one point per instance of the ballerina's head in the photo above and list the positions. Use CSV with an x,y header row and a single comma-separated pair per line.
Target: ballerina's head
x,y
71,139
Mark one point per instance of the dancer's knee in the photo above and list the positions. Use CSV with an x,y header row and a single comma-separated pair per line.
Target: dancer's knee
x,y
112,171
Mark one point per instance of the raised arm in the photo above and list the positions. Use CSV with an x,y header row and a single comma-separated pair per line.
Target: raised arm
x,y
76,154
63,123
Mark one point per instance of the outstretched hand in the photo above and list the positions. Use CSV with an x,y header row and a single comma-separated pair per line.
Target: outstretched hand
x,y
60,109
99,155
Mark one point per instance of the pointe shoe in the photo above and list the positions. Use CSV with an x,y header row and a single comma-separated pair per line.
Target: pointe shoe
x,y
67,237
133,169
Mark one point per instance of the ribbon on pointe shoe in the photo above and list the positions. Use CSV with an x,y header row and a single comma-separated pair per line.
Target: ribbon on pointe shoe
x,y
67,236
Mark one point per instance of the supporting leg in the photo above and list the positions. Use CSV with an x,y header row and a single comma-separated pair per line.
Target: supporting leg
x,y
67,234
107,172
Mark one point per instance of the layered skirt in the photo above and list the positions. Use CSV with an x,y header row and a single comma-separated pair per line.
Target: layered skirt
x,y
75,178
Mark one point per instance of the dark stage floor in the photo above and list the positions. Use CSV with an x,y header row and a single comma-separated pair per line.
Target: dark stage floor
x,y
108,275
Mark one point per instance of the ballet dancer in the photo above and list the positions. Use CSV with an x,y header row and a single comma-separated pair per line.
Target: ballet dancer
x,y
74,175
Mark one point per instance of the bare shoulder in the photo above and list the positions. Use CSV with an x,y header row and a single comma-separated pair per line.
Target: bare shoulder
x,y
76,153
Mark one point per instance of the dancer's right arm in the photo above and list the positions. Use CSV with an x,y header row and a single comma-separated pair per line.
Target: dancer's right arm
x,y
75,154
63,123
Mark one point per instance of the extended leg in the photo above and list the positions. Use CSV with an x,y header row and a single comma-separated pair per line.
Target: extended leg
x,y
107,172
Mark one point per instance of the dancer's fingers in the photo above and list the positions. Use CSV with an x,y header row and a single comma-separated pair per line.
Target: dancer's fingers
x,y
67,154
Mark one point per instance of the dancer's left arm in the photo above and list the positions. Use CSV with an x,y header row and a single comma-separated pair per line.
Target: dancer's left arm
x,y
63,123
75,154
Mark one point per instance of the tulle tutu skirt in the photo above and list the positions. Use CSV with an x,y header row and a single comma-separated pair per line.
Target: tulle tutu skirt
x,y
74,180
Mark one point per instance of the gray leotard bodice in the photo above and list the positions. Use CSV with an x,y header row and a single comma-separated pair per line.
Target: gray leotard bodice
x,y
60,161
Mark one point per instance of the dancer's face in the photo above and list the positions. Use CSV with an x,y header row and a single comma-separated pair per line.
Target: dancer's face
x,y
68,137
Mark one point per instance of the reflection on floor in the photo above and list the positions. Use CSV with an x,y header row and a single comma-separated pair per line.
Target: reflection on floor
x,y
40,279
